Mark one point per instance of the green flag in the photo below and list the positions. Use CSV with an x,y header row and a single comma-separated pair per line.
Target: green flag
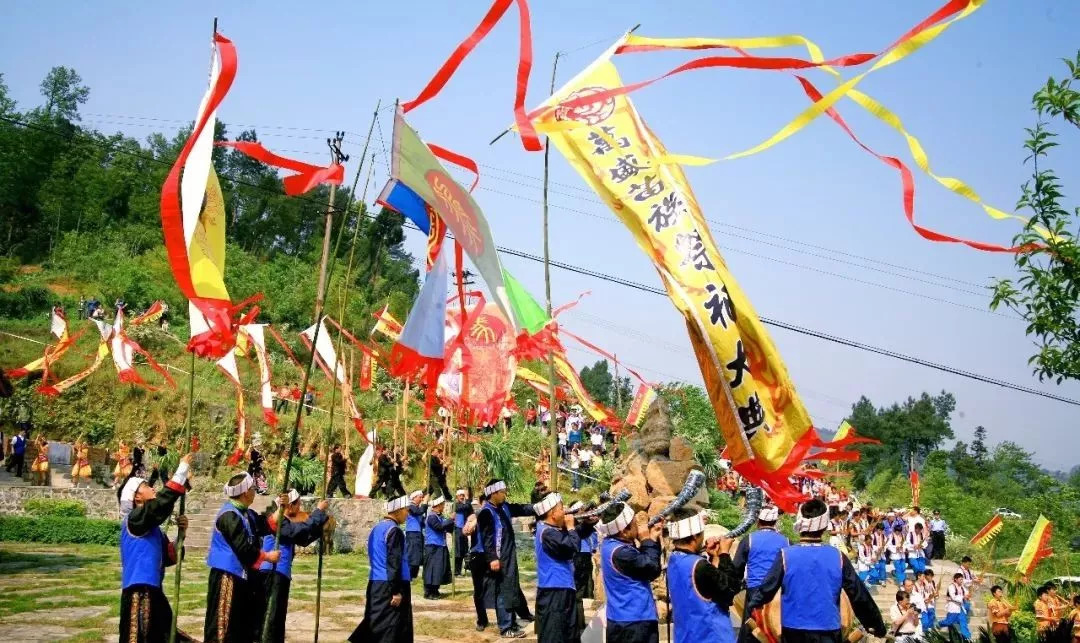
x,y
530,315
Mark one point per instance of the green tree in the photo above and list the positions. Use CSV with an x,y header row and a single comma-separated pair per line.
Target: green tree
x,y
914,428
1047,292
693,418
64,92
978,446
598,382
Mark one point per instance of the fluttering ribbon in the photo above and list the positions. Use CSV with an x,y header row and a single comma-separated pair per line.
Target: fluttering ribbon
x,y
194,243
257,339
495,13
58,326
227,366
307,176
124,349
329,362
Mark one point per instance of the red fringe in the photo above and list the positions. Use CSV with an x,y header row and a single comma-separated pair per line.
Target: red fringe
x,y
236,456
49,390
406,363
270,417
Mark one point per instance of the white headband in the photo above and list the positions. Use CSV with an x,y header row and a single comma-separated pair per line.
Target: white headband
x,y
396,504
547,504
437,501
576,506
818,523
239,488
460,492
769,514
617,525
494,487
294,495
127,495
415,494
686,527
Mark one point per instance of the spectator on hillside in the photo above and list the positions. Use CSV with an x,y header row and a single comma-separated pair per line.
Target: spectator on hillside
x,y
309,399
586,455
596,437
282,394
575,466
82,307
562,443
295,394
530,414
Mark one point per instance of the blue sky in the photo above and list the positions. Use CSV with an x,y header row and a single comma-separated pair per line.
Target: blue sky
x,y
797,223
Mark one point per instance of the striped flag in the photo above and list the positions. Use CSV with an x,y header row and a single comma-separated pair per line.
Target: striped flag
x,y
914,488
386,324
367,370
643,399
988,532
1037,547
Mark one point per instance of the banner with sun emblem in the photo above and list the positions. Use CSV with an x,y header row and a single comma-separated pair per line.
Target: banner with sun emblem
x,y
478,374
765,425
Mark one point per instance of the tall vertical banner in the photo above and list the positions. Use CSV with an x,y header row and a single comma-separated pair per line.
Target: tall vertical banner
x,y
765,425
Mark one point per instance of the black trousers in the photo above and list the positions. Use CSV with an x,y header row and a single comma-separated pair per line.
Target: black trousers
x,y
478,567
337,481
18,460
633,632
556,616
937,545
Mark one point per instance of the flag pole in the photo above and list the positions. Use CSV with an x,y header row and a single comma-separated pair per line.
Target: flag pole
x,y
326,269
328,434
554,433
181,533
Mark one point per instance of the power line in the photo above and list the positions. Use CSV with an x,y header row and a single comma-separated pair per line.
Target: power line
x,y
792,327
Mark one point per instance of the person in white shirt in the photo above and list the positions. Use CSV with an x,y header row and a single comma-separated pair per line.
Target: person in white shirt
x,y
562,442
596,437
956,612
894,544
915,548
585,454
866,560
905,619
575,466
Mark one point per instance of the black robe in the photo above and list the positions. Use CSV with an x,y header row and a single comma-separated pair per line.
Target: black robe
x,y
383,623
231,601
295,534
862,604
505,582
556,608
437,558
414,541
461,541
145,614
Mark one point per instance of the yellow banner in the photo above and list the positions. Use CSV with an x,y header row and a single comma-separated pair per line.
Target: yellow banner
x,y
759,413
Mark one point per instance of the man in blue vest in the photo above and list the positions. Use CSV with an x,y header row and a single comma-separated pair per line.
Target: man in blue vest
x,y
757,553
436,554
502,588
462,510
18,454
701,590
235,554
812,574
297,528
628,570
388,605
556,544
145,552
414,535
478,569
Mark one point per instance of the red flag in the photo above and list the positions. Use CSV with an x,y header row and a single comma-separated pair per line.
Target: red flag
x,y
914,488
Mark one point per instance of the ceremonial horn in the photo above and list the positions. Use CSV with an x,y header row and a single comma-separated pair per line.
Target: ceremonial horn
x,y
622,496
754,499
693,484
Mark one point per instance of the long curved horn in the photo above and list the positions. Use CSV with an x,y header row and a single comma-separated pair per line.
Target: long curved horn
x,y
622,496
754,499
694,481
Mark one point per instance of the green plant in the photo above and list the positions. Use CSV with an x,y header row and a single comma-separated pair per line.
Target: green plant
x,y
57,529
725,510
1023,624
62,507
305,473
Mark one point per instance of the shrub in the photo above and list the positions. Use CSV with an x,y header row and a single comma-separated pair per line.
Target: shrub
x,y
27,302
60,507
56,529
1023,624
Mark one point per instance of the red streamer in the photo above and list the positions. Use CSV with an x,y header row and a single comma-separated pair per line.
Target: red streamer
x,y
307,176
528,134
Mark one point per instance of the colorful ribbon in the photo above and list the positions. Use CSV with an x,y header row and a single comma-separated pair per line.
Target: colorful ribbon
x,y
307,176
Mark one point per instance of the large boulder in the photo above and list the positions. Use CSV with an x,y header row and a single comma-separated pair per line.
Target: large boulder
x,y
666,477
639,492
655,434
657,505
680,449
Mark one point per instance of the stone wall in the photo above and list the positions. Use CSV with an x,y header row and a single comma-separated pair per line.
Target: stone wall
x,y
100,503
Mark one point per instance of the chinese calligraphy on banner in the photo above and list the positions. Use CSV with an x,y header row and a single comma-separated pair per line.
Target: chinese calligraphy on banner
x,y
765,426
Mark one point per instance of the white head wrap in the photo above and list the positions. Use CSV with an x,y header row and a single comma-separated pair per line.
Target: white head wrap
x,y
127,495
397,503
547,504
769,514
415,494
239,488
686,527
617,525
494,488
460,492
809,525
575,507
294,495
436,501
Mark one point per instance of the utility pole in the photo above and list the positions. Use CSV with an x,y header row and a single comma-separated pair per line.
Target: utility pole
x,y
335,157
552,428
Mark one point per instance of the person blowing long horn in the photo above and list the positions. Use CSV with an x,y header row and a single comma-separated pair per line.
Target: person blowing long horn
x,y
812,574
556,544
757,553
388,603
628,568
701,589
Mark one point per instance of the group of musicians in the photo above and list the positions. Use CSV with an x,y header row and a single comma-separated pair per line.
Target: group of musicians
x,y
703,575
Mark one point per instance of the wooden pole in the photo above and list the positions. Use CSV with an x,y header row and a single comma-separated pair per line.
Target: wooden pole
x,y
180,533
547,291
328,436
618,386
